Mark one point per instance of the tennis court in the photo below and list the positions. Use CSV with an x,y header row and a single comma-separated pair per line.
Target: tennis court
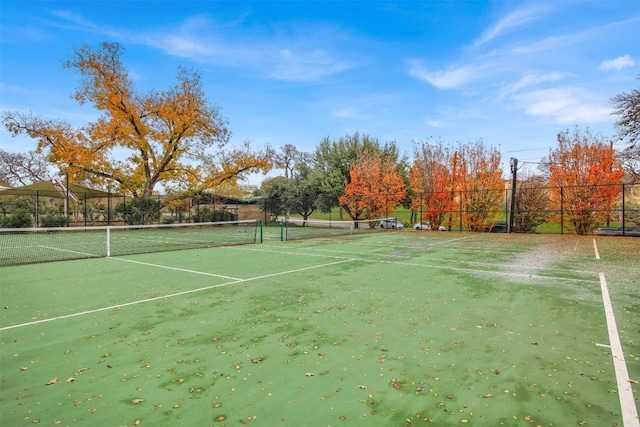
x,y
394,328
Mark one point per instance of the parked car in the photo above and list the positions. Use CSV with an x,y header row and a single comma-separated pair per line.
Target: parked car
x,y
391,223
499,226
629,230
427,226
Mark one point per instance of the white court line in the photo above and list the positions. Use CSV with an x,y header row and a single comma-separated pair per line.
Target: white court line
x,y
191,291
177,269
627,403
595,248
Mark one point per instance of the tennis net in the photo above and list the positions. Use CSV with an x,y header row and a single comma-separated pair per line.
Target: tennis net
x,y
304,229
34,245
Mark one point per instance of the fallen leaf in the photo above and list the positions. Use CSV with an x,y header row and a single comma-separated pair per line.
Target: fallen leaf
x,y
136,423
136,401
633,381
70,379
308,374
488,395
362,386
23,368
52,381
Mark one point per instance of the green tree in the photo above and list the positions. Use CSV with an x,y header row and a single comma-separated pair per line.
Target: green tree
x,y
273,192
302,191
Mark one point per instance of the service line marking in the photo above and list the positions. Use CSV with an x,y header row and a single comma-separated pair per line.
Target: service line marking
x,y
627,403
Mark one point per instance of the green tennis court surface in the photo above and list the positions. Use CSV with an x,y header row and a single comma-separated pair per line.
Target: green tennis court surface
x,y
383,329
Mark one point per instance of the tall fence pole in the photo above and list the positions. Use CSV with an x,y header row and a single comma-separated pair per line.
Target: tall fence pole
x,y
512,209
623,213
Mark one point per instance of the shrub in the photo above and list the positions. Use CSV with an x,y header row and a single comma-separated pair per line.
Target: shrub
x,y
19,219
212,215
53,220
139,210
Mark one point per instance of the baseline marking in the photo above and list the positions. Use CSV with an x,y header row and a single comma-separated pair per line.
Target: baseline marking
x,y
627,403
190,291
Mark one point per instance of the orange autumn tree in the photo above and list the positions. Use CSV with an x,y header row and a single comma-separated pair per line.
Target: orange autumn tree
x,y
584,179
174,137
375,188
430,179
479,179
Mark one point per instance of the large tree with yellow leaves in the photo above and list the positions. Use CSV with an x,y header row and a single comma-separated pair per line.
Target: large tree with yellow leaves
x,y
174,138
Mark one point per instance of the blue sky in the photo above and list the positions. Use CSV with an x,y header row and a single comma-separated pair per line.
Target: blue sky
x,y
511,73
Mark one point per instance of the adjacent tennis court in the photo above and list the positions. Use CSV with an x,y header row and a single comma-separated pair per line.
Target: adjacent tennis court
x,y
393,328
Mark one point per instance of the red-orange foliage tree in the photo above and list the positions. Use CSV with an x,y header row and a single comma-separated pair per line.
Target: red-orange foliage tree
x,y
479,180
375,188
430,180
584,179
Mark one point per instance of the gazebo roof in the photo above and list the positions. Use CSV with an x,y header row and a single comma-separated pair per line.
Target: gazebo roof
x,y
49,189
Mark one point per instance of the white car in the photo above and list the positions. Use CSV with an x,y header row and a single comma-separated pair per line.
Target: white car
x,y
427,226
391,223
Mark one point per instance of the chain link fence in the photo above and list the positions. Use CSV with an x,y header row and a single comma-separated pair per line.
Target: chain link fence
x,y
539,209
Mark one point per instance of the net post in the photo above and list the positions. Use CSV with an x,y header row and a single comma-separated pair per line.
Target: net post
x,y
281,230
108,242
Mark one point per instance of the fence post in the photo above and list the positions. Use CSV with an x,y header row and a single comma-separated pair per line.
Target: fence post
x,y
561,210
36,208
460,219
623,212
512,210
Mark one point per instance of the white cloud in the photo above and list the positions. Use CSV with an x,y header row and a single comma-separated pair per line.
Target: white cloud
x,y
433,122
510,22
564,105
444,79
346,112
291,51
530,80
617,63
311,66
